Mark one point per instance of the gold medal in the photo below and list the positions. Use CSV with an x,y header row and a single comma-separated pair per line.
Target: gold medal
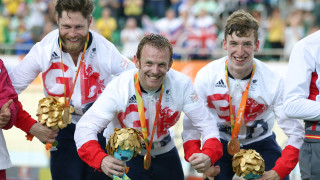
x,y
233,146
147,161
65,114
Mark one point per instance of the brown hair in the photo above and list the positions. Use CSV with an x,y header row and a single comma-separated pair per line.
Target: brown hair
x,y
241,23
157,41
83,6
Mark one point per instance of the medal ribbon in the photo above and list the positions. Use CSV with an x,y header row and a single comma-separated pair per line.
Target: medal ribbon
x,y
142,114
75,80
235,126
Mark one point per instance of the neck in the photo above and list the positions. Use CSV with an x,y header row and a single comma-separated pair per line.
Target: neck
x,y
75,57
240,73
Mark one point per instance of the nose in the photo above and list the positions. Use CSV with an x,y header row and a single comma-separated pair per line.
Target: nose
x,y
72,32
155,69
240,50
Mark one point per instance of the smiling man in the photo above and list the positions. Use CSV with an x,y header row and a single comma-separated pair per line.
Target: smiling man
x,y
151,99
247,96
75,63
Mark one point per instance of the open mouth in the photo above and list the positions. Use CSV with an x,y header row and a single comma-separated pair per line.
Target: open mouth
x,y
154,77
240,59
73,40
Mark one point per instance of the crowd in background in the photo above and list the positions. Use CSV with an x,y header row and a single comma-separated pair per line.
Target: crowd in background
x,y
194,27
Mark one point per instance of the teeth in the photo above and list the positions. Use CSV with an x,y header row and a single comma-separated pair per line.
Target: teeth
x,y
154,78
239,59
74,40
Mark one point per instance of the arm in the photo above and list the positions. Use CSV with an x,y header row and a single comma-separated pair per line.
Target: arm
x,y
24,120
30,126
294,130
200,121
93,121
301,69
90,150
27,70
86,139
8,100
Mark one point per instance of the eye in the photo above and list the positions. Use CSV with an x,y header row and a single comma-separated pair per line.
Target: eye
x,y
233,44
248,44
162,65
79,27
66,27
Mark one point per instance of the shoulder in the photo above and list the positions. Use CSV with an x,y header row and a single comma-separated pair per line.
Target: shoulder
x,y
265,72
263,67
125,77
2,67
213,66
50,37
177,77
309,42
1,64
100,40
314,37
212,70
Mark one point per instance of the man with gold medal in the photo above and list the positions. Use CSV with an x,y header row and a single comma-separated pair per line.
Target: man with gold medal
x,y
150,99
246,94
76,65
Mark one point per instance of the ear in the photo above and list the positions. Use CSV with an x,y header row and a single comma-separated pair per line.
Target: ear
x,y
224,44
57,18
170,64
256,47
136,61
90,20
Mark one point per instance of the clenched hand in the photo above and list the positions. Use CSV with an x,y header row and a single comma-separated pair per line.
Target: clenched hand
x,y
5,113
43,133
112,166
200,162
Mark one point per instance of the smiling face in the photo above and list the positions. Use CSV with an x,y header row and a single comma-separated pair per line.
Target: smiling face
x,y
153,65
240,53
73,31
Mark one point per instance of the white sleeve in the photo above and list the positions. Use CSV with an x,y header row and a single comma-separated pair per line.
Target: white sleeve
x,y
100,114
119,62
27,70
198,120
296,103
293,128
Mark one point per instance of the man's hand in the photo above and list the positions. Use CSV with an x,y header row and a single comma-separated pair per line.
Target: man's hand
x,y
270,175
5,113
112,166
211,172
200,162
43,133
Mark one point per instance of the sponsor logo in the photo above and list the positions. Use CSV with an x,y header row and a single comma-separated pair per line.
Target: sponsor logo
x,y
220,84
133,99
54,56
